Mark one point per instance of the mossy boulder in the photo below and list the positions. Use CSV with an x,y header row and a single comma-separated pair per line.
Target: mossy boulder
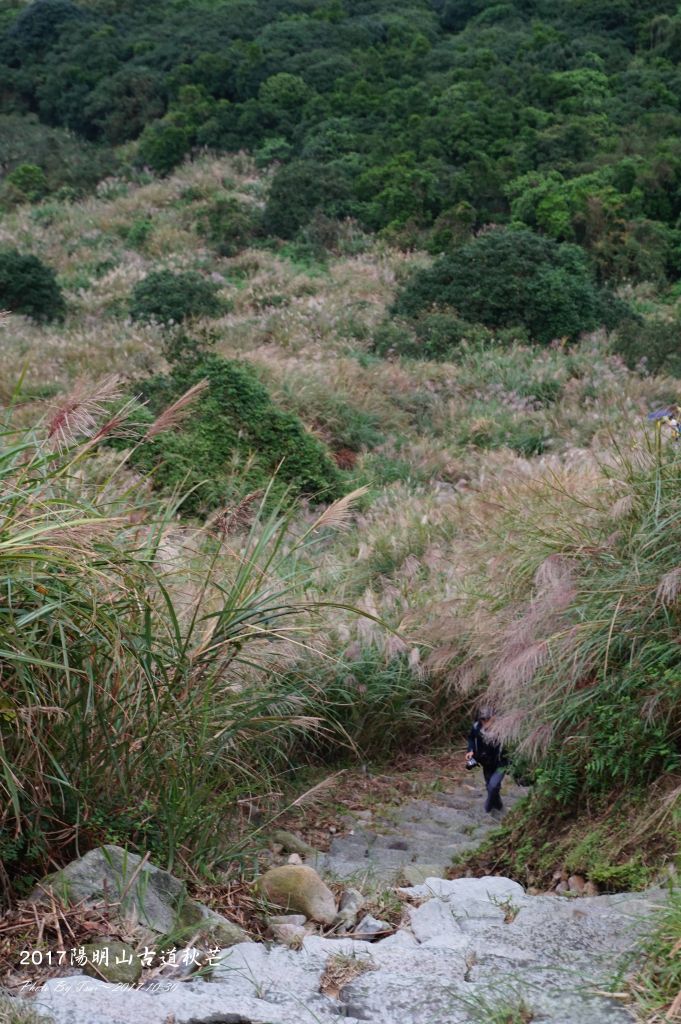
x,y
148,895
293,843
112,961
298,888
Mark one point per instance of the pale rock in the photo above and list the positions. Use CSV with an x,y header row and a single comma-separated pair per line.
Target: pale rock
x,y
577,884
289,934
434,924
369,926
485,889
295,858
318,944
298,888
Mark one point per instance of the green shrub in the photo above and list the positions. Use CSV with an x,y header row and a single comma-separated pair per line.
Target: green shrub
x,y
68,162
229,225
29,181
652,345
166,297
234,441
139,232
274,149
439,335
300,190
30,287
509,278
395,338
163,146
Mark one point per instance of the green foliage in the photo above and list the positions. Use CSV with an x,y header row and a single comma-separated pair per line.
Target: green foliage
x,y
95,626
28,181
427,121
273,150
163,146
300,190
375,705
438,335
652,345
508,278
139,232
67,161
29,286
229,225
658,978
166,297
235,440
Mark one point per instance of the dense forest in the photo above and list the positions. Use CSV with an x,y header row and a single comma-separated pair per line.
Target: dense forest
x,y
424,120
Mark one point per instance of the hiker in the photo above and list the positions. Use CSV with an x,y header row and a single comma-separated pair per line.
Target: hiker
x,y
489,754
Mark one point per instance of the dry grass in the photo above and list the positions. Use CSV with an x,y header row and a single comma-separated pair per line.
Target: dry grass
x,y
456,543
340,970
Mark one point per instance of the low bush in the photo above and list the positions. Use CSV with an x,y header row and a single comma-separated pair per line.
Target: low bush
x,y
514,278
29,286
653,346
170,298
28,181
162,146
235,440
438,335
229,225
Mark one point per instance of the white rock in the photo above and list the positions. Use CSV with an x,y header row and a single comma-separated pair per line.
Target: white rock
x,y
289,934
286,919
346,947
463,889
370,925
435,924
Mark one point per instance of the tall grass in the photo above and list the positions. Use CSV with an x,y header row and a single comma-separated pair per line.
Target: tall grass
x,y
657,985
140,658
568,619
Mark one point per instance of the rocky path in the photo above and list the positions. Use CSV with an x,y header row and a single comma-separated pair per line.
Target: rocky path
x,y
467,951
415,840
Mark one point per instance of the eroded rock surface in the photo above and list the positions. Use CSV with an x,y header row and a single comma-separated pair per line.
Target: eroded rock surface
x,y
468,943
416,840
466,947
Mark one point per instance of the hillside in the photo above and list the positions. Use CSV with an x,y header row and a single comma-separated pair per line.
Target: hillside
x,y
333,333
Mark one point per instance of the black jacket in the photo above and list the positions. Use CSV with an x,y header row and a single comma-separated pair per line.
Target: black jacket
x,y
487,753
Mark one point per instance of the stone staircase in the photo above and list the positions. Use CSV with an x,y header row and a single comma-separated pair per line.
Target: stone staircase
x,y
415,840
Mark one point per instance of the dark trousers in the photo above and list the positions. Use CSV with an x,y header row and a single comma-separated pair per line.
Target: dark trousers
x,y
493,779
